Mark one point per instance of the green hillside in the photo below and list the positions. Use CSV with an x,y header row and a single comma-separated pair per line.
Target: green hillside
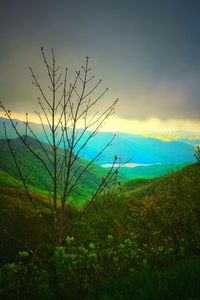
x,y
143,187
7,181
37,177
151,171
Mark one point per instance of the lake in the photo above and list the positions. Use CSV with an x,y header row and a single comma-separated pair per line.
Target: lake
x,y
128,165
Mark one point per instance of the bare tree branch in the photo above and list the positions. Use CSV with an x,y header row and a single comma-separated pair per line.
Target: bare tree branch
x,y
68,113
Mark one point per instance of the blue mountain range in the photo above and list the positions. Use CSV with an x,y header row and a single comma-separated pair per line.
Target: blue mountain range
x,y
136,148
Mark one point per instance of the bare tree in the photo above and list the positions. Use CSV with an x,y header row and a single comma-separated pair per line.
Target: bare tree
x,y
69,122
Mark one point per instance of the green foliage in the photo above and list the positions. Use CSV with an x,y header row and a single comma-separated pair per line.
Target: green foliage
x,y
70,272
144,241
24,280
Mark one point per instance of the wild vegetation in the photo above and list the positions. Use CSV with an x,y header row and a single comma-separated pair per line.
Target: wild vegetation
x,y
142,240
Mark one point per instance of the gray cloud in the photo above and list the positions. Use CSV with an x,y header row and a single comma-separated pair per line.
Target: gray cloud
x,y
147,52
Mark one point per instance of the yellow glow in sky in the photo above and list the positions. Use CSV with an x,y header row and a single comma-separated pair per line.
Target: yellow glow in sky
x,y
151,124
115,123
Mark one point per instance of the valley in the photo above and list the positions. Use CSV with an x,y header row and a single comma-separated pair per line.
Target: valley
x,y
142,227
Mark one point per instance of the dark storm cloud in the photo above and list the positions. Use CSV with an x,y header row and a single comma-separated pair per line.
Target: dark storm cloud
x,y
147,52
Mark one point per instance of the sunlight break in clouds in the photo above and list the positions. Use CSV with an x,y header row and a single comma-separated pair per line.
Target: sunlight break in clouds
x,y
151,124
115,123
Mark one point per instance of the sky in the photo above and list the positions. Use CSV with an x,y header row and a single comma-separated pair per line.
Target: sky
x,y
147,53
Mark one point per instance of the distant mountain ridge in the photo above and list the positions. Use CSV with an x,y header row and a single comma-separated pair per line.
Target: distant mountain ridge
x,y
138,149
